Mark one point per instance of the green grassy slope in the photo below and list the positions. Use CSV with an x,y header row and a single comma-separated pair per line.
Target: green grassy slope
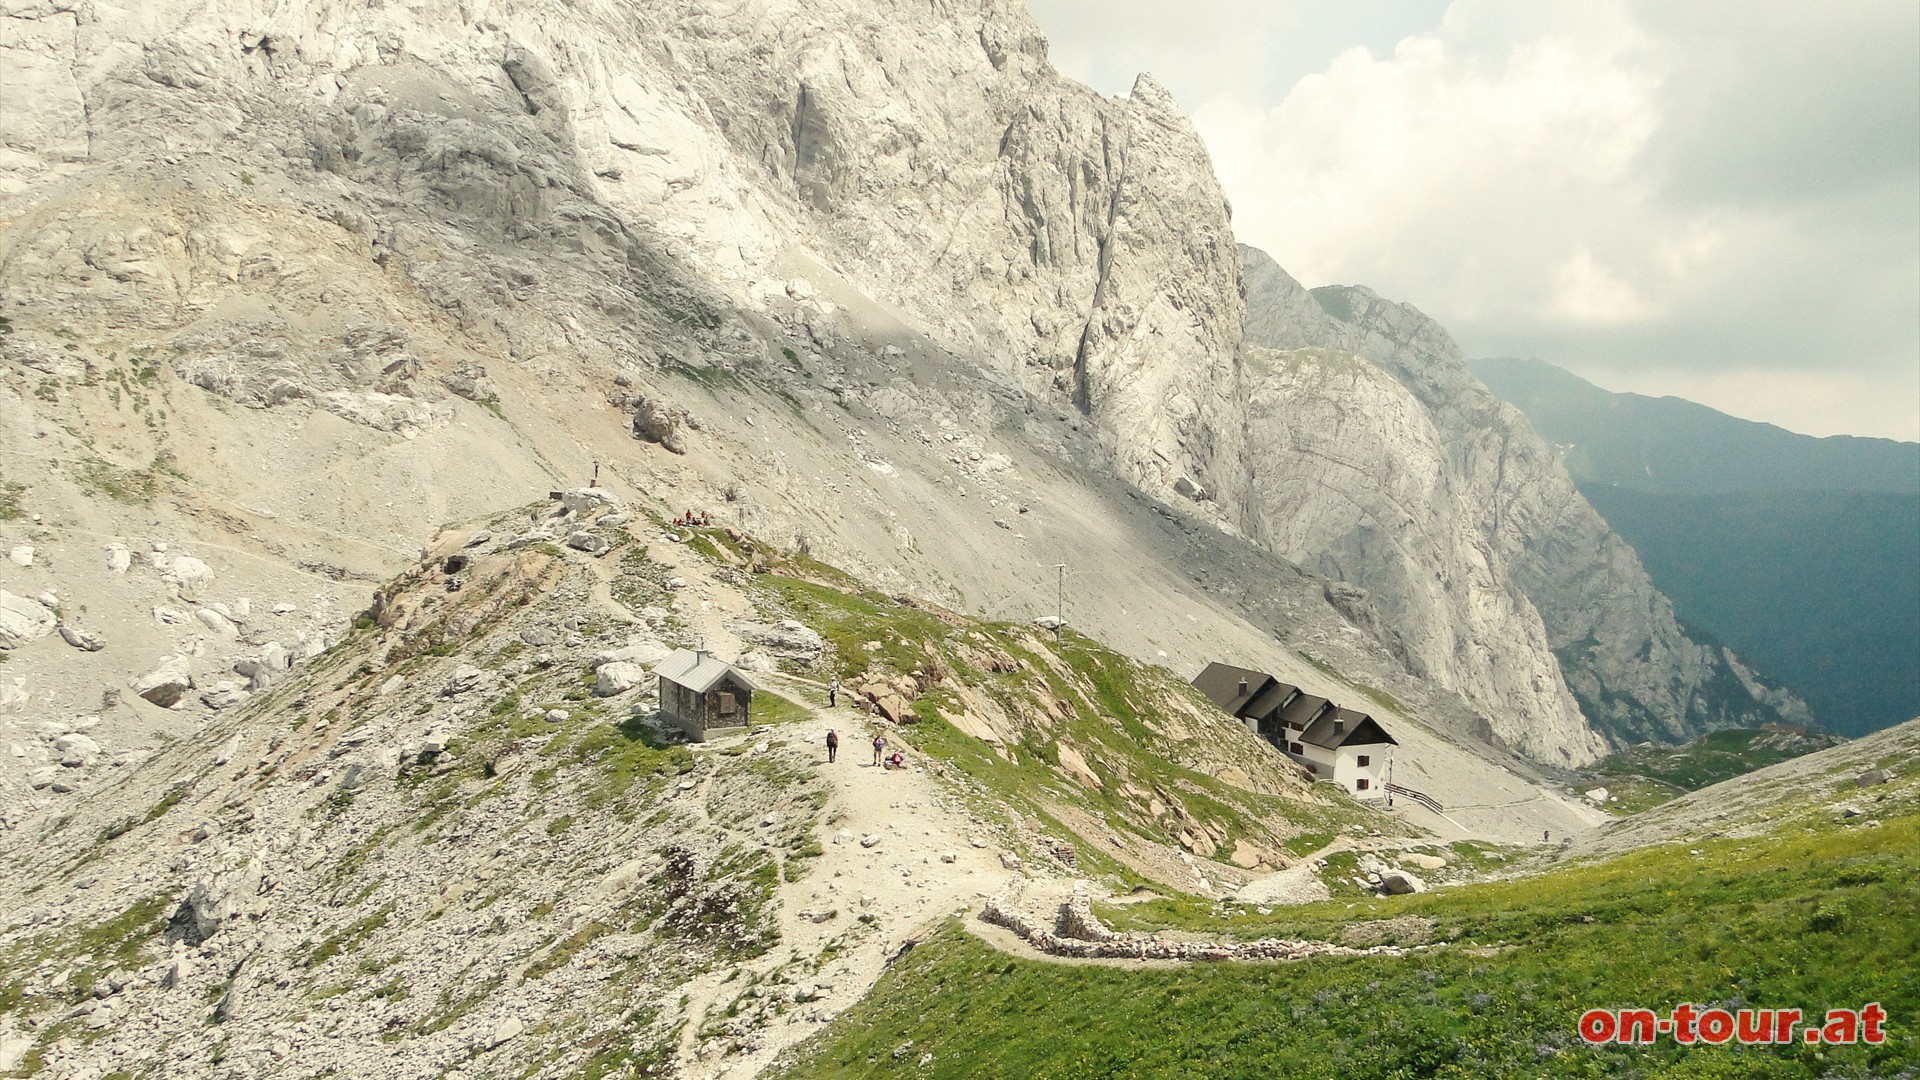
x,y
1722,755
1092,746
1822,913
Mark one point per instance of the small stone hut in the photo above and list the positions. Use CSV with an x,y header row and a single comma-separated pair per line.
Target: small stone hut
x,y
702,694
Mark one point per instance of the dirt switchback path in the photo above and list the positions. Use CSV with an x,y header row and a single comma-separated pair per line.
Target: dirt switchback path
x,y
899,853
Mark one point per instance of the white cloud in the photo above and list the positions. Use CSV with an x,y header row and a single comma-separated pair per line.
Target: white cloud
x,y
1715,194
1584,291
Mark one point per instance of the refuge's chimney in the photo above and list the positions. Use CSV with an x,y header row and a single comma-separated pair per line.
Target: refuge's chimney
x,y
1243,686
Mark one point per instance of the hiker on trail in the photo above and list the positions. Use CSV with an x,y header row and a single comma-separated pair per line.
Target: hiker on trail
x,y
897,761
879,747
833,692
833,745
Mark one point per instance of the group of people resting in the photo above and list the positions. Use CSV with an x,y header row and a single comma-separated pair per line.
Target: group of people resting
x,y
693,519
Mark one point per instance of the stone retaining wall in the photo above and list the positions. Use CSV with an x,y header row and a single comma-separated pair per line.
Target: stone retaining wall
x,y
1078,932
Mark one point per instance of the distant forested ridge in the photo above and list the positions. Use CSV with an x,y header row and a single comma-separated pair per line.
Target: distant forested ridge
x,y
1802,554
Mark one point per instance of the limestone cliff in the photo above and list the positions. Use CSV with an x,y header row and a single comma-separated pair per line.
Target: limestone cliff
x,y
301,281
1444,502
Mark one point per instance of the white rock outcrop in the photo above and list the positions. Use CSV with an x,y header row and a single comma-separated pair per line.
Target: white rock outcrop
x,y
22,620
618,677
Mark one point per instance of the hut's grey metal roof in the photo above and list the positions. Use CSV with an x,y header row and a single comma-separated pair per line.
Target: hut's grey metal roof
x,y
697,671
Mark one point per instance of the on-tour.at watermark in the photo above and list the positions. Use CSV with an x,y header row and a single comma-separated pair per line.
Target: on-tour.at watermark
x,y
1690,1024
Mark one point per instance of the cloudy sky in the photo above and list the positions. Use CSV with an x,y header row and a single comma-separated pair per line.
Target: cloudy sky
x,y
1716,199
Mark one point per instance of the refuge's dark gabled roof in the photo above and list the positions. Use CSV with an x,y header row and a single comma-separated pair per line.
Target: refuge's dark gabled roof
x,y
1221,684
1268,701
1358,729
1301,710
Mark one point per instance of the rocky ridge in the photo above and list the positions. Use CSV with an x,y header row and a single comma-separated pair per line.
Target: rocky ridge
x,y
314,281
423,856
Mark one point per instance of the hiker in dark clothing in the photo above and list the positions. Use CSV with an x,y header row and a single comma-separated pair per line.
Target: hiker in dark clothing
x,y
833,745
879,747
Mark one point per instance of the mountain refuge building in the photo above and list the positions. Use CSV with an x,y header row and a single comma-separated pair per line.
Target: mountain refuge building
x,y
703,695
1337,744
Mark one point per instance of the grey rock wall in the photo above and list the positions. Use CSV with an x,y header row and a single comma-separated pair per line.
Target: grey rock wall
x,y
1398,470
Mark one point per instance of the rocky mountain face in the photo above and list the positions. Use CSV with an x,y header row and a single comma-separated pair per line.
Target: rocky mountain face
x,y
1398,470
286,287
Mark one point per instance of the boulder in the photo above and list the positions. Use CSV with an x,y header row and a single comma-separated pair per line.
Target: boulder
x,y
258,671
1871,778
589,542
186,573
464,679
165,685
225,695
656,421
617,678
216,622
505,1030
118,557
75,749
470,381
84,640
21,555
1400,883
1423,861
1598,795
214,900
22,620
892,706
